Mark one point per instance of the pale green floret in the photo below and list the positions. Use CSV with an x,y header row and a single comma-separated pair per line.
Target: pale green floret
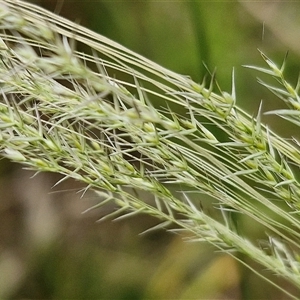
x,y
6,119
97,146
295,104
52,145
276,71
170,125
152,139
181,165
41,164
149,127
131,114
197,87
188,124
33,131
209,135
14,155
269,176
290,90
252,164
228,98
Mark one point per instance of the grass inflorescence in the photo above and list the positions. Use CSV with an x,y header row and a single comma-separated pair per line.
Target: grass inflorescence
x,y
92,117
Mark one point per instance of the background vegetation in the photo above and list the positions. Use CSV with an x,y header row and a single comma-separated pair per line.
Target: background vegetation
x,y
50,250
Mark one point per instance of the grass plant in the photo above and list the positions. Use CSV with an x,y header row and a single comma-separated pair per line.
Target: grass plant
x,y
125,126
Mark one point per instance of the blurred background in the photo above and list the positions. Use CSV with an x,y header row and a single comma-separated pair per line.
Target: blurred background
x,y
50,250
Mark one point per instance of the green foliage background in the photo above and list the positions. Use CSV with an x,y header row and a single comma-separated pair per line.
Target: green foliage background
x,y
50,251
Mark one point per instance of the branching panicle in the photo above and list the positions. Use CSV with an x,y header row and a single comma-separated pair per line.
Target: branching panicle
x,y
90,118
